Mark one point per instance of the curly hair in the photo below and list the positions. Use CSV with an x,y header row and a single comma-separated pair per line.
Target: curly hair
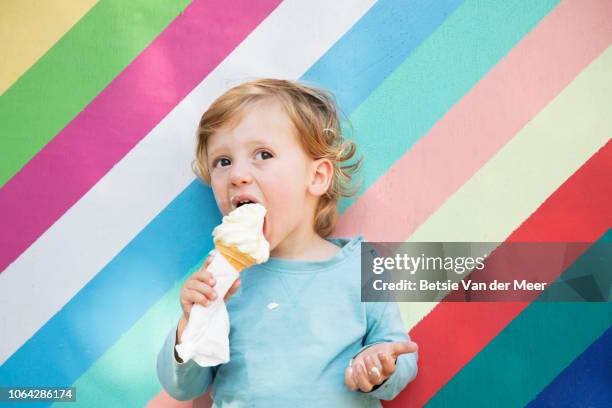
x,y
314,114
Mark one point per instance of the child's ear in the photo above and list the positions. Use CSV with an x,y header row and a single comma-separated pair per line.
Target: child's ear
x,y
322,172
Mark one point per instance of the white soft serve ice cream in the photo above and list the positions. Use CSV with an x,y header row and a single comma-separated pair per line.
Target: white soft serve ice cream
x,y
243,229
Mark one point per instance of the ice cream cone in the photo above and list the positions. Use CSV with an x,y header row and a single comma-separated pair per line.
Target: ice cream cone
x,y
241,243
237,259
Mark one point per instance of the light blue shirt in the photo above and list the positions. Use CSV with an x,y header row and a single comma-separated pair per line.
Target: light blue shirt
x,y
295,355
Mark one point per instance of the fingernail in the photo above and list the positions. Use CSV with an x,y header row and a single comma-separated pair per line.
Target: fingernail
x,y
212,281
214,295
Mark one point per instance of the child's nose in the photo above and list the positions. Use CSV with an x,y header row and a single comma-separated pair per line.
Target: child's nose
x,y
240,174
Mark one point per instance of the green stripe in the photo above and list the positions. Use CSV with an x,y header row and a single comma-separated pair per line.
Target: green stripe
x,y
132,358
435,77
126,375
80,65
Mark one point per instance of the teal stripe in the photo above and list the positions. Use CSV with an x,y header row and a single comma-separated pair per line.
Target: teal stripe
x,y
76,69
536,346
165,237
527,355
436,76
130,363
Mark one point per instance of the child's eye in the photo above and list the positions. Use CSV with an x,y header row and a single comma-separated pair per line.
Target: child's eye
x,y
222,162
264,154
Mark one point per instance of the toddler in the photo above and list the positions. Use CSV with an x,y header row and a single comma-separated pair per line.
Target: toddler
x,y
299,334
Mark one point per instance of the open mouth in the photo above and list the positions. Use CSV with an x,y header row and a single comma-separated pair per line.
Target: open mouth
x,y
241,203
242,199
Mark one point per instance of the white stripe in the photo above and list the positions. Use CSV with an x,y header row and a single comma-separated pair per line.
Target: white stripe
x,y
113,212
521,176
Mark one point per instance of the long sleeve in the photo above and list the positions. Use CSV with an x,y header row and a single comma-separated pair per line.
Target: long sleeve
x,y
385,324
182,381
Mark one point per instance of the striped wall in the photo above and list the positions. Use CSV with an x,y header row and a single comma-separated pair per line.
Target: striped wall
x,y
479,120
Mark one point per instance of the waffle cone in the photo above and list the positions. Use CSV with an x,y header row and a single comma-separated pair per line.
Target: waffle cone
x,y
236,258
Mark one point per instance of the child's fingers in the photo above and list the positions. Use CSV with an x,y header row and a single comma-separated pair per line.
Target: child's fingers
x,y
374,370
348,379
388,363
362,378
192,296
202,288
402,347
204,276
189,298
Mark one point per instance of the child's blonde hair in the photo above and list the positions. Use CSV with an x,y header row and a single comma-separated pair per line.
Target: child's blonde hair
x,y
314,115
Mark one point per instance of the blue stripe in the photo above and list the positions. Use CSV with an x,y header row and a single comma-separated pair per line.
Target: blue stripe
x,y
375,46
180,236
587,382
536,346
118,296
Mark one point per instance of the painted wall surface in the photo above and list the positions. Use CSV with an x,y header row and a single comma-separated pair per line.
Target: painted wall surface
x,y
479,120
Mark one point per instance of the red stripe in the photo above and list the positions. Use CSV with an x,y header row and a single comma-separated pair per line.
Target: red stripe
x,y
122,115
453,333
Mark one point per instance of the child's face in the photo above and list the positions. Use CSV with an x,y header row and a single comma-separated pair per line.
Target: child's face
x,y
263,159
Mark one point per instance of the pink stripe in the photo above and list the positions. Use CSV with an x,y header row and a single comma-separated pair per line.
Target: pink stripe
x,y
513,92
163,400
117,119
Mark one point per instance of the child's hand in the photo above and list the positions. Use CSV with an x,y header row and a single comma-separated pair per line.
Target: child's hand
x,y
375,364
199,289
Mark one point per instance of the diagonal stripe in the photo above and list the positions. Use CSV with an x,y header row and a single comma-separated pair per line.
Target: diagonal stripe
x,y
101,312
536,154
389,34
74,71
541,341
524,15
534,72
469,327
436,77
587,381
38,25
102,235
90,381
47,184
124,355
166,401
167,258
140,343
544,152
133,104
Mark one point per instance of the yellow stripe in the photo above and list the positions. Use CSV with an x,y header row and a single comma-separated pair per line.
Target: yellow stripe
x,y
28,28
523,174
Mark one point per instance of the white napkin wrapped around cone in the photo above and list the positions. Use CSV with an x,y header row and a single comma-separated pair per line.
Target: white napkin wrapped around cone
x,y
240,243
